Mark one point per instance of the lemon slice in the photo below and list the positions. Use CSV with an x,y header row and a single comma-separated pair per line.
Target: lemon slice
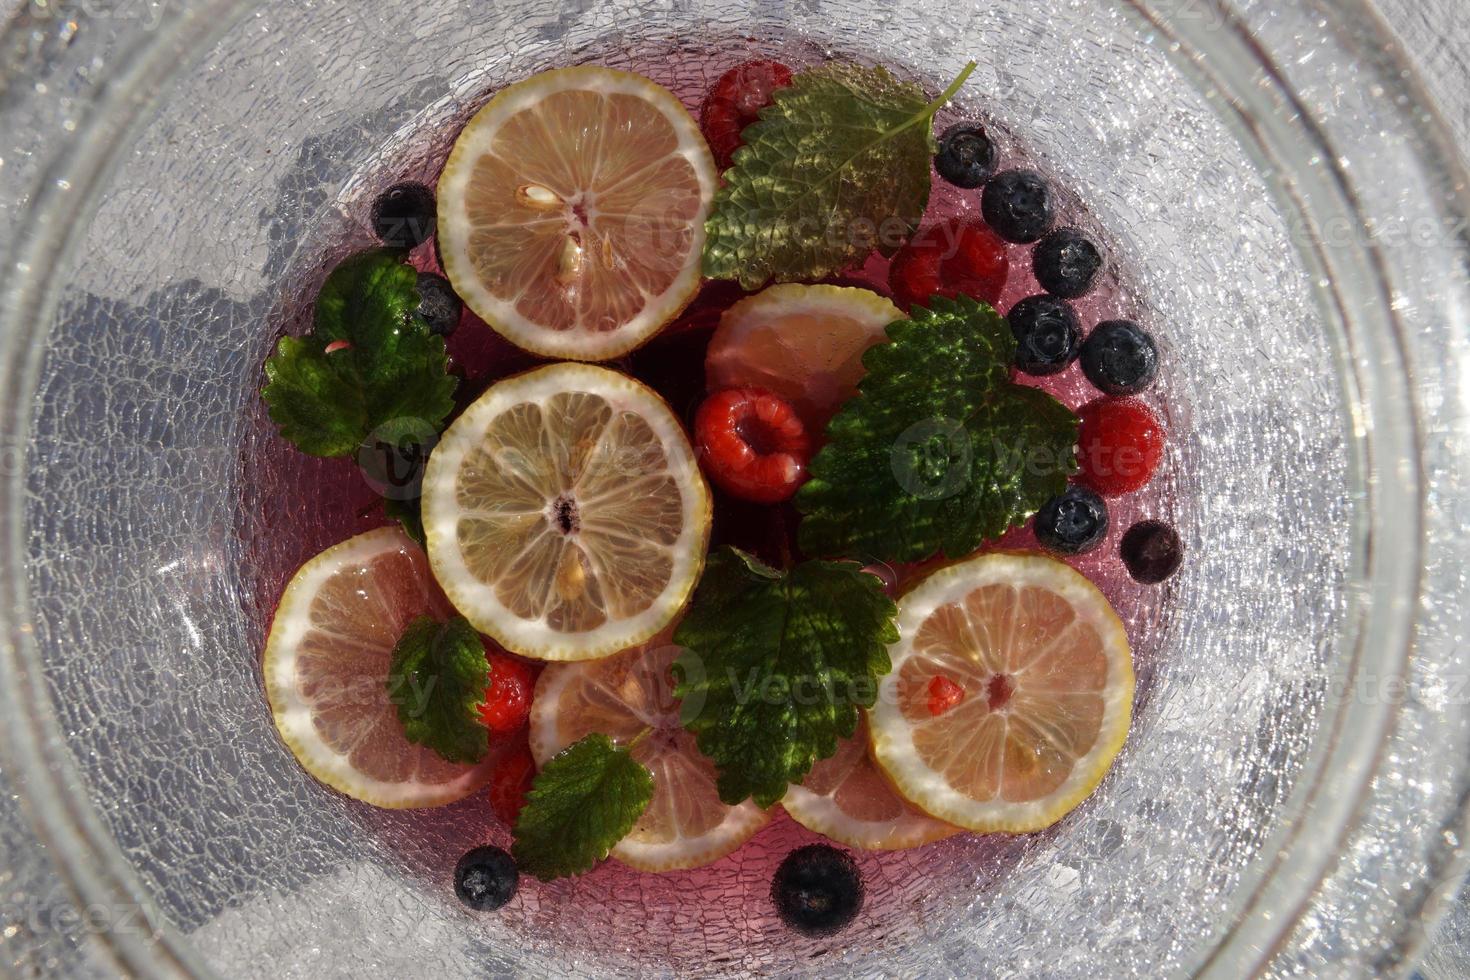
x,y
625,695
565,513
571,211
848,798
804,343
326,673
1010,694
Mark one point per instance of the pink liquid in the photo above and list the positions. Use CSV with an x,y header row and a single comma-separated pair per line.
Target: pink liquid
x,y
720,914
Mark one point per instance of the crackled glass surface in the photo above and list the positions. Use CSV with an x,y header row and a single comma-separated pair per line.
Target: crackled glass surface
x,y
161,517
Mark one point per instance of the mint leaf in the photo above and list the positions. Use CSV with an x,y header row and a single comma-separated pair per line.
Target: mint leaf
x,y
438,678
836,166
938,452
583,802
776,665
408,514
327,404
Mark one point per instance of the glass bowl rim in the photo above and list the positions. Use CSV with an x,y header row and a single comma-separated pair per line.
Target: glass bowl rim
x,y
34,750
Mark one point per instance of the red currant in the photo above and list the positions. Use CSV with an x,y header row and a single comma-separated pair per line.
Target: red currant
x,y
752,444
949,259
944,694
1120,444
510,783
507,694
736,101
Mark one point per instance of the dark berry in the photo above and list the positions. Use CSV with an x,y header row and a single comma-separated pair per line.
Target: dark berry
x,y
404,215
1047,333
1120,442
818,890
1075,522
439,304
735,101
949,259
1152,551
966,157
1066,263
1017,204
1120,358
486,878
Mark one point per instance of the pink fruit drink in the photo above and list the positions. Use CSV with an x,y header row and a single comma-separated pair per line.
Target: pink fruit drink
x,y
719,915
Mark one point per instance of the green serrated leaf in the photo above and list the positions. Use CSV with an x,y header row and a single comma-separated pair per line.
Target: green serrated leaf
x,y
407,513
438,678
776,666
838,165
938,452
394,369
581,804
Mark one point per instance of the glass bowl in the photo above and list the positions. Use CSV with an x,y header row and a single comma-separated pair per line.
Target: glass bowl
x,y
1285,210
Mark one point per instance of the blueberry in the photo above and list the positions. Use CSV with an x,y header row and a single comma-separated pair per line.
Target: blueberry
x,y
486,878
818,890
966,157
1152,551
1017,204
439,305
404,215
1066,263
1072,523
1120,358
1047,334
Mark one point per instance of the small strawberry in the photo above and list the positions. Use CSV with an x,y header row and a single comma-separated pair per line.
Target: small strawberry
x,y
950,259
752,444
510,783
1120,444
736,101
508,693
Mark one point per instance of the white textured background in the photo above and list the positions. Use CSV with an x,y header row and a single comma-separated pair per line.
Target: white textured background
x,y
1435,33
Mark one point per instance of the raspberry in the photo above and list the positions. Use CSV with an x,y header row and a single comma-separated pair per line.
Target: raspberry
x,y
914,273
943,695
510,783
948,259
736,101
1120,444
507,694
752,444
